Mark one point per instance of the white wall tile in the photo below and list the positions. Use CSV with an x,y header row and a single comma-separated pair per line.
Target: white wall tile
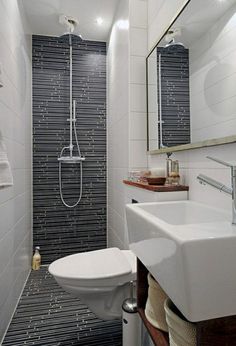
x,y
114,240
212,76
138,98
15,125
138,126
138,13
138,41
126,107
137,70
153,9
194,162
118,71
160,15
138,154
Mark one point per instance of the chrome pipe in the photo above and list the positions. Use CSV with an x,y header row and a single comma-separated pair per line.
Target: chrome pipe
x,y
160,101
205,180
71,103
74,110
221,187
221,162
70,159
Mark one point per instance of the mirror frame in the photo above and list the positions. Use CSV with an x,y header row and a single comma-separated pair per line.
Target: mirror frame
x,y
182,147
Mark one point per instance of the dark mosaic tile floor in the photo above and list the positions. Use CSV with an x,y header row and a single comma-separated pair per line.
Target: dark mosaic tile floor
x,y
46,315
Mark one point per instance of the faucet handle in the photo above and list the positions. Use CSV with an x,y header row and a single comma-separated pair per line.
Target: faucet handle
x,y
221,162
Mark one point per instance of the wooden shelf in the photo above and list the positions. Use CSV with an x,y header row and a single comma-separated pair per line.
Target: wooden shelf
x,y
217,332
159,337
156,188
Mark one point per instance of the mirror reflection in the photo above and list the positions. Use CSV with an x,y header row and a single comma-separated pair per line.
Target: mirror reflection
x,y
192,77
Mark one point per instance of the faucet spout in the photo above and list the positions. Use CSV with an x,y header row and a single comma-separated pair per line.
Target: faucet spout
x,y
205,180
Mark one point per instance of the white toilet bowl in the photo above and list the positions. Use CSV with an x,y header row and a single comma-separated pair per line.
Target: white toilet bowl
x,y
99,278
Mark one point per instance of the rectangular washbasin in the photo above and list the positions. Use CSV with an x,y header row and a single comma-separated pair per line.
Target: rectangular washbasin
x,y
184,212
190,248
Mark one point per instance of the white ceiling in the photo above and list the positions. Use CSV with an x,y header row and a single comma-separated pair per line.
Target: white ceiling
x,y
43,16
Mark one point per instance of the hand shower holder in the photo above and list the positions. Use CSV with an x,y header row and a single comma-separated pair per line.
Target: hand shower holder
x,y
71,159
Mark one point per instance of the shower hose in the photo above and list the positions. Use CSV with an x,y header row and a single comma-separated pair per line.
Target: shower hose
x,y
81,173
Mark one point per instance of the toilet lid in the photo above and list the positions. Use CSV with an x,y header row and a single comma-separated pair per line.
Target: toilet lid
x,y
98,264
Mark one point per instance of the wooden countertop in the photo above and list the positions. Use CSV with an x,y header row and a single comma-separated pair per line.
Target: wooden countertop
x,y
156,188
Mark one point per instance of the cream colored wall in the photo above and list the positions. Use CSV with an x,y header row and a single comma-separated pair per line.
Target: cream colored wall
x,y
15,125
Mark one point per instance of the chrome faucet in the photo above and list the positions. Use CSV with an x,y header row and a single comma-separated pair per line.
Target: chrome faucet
x,y
203,179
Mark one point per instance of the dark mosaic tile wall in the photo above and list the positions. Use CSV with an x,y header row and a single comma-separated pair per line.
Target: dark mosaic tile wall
x,y
48,316
58,230
175,95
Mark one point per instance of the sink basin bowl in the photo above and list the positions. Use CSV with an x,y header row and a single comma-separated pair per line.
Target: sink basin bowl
x,y
183,212
190,249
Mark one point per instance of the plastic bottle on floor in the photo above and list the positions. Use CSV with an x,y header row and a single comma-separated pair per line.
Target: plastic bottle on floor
x,y
36,262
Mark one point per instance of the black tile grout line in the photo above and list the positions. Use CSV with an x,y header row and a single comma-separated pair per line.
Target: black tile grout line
x,y
46,315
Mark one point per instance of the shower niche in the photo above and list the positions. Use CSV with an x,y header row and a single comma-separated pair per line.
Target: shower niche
x,y
191,95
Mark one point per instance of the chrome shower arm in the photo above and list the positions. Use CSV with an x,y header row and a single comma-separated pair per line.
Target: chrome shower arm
x,y
71,104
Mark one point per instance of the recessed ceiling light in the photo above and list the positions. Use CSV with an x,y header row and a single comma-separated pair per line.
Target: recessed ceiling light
x,y
99,21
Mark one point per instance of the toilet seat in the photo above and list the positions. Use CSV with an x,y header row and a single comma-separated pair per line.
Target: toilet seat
x,y
99,278
99,268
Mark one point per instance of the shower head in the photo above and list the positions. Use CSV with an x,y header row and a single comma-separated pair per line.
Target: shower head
x,y
172,43
68,38
170,38
70,23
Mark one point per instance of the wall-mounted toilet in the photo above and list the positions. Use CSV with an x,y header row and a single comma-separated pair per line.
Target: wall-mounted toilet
x,y
99,278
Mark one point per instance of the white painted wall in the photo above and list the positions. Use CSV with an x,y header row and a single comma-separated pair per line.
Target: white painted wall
x,y
15,125
192,162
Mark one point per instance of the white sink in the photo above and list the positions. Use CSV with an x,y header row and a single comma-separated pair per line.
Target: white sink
x,y
190,249
183,212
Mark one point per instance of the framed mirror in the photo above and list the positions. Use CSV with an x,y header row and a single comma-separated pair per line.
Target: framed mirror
x,y
191,79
